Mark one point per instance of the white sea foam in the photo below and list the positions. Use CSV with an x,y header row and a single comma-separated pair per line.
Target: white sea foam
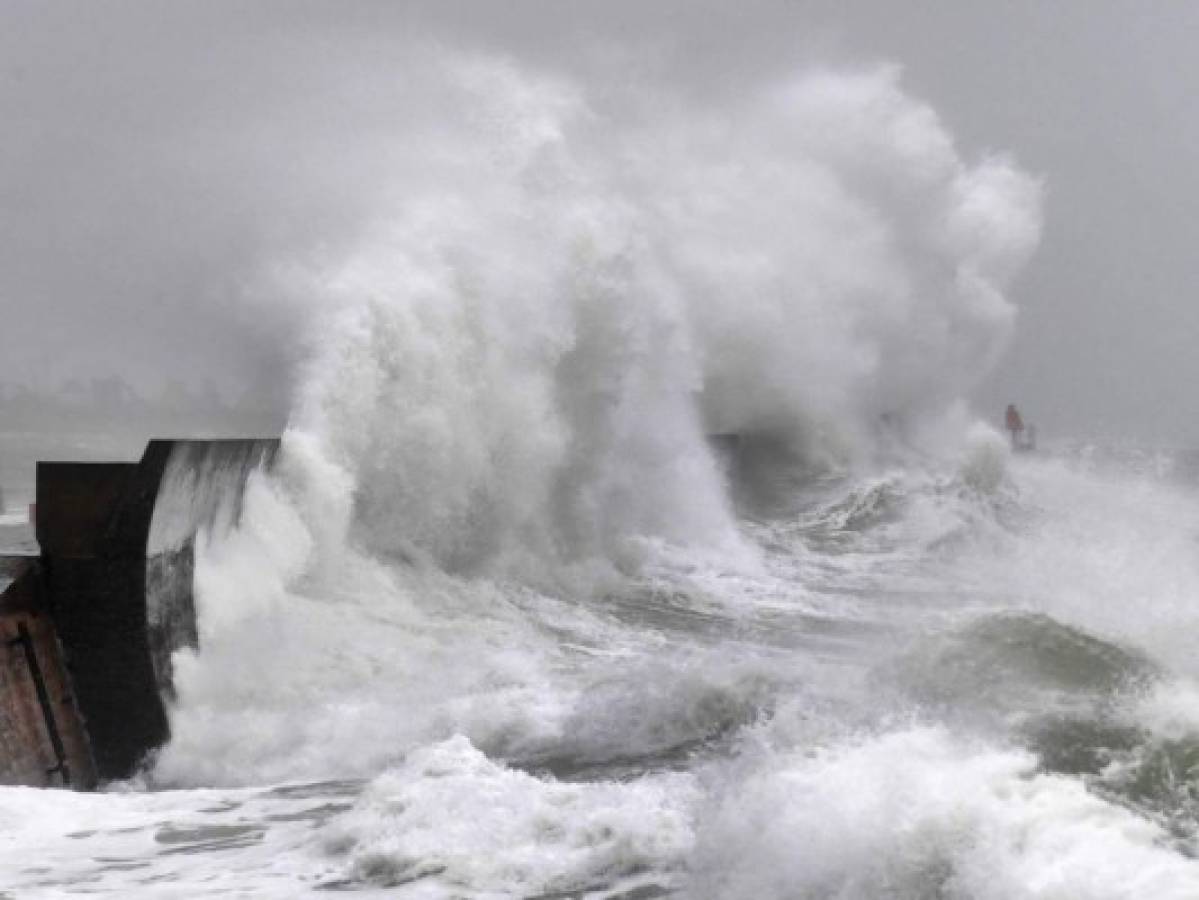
x,y
514,369
500,575
524,356
197,843
919,813
1170,710
1110,551
454,818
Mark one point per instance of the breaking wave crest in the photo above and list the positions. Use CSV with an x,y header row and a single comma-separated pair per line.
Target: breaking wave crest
x,y
518,364
514,374
630,533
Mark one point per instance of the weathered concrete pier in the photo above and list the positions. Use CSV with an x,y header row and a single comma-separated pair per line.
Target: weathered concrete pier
x,y
88,626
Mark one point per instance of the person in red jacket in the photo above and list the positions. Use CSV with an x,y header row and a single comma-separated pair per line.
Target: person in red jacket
x,y
1014,424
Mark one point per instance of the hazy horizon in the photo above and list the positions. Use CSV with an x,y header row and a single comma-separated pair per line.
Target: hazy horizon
x,y
160,159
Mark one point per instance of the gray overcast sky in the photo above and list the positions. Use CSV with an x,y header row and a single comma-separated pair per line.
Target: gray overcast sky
x,y
153,153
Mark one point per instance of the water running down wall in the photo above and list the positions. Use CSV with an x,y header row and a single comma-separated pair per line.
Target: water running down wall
x,y
113,590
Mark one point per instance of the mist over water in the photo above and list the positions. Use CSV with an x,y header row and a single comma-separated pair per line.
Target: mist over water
x,y
516,616
525,353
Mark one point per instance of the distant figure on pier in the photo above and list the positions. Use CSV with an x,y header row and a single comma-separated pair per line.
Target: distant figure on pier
x,y
1014,424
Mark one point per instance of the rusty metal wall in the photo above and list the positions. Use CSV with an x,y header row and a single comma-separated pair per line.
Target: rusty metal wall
x,y
42,739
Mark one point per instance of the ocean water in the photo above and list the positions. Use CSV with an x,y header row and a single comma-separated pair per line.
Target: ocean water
x,y
919,689
631,537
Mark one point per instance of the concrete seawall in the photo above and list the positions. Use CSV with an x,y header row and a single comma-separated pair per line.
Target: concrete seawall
x,y
107,603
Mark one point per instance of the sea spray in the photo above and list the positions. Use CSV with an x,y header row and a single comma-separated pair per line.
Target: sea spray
x,y
526,353
502,621
513,374
918,813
